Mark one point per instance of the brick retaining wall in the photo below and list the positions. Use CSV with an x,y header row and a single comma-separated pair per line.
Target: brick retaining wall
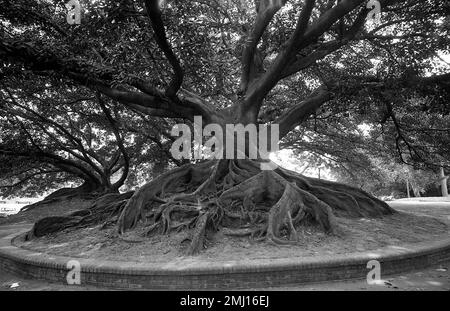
x,y
190,274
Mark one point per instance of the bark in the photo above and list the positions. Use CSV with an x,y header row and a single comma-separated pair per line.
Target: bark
x,y
87,191
104,209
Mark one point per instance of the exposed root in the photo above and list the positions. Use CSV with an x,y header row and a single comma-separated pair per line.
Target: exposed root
x,y
154,190
281,214
345,200
106,208
198,235
65,194
233,196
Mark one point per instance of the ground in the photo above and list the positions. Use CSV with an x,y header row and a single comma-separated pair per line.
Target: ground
x,y
433,278
357,235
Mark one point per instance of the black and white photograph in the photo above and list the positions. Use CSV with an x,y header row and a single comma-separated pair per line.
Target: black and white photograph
x,y
229,152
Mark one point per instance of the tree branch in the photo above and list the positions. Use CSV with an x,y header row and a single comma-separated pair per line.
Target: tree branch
x,y
119,141
100,77
28,178
302,37
154,13
266,9
325,49
63,131
302,111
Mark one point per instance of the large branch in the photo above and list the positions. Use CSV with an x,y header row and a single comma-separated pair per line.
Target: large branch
x,y
162,106
266,9
325,48
154,13
66,165
300,29
299,113
302,37
99,77
410,82
119,142
28,177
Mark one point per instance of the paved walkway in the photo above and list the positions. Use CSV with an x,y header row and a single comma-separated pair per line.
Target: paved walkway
x,y
433,278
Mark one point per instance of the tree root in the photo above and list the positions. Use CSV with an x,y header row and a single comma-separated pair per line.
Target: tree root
x,y
198,235
233,196
105,208
65,194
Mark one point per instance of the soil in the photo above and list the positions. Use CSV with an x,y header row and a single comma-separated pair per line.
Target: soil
x,y
357,235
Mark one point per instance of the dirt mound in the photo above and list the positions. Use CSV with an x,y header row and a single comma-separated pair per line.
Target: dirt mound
x,y
358,235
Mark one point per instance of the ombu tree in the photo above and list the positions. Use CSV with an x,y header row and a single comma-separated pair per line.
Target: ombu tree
x,y
251,50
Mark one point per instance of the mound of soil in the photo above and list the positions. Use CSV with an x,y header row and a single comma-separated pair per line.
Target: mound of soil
x,y
357,235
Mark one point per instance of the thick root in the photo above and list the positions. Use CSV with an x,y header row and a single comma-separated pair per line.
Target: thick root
x,y
281,214
198,235
291,202
154,191
104,209
345,200
83,192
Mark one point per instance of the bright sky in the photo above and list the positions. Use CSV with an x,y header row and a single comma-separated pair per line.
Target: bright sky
x,y
288,160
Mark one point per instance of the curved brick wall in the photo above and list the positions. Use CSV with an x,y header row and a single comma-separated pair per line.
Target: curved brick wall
x,y
189,273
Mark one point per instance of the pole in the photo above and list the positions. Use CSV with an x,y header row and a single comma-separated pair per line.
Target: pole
x,y
443,180
407,188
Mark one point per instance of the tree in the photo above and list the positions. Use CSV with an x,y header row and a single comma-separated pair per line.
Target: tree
x,y
286,44
52,135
